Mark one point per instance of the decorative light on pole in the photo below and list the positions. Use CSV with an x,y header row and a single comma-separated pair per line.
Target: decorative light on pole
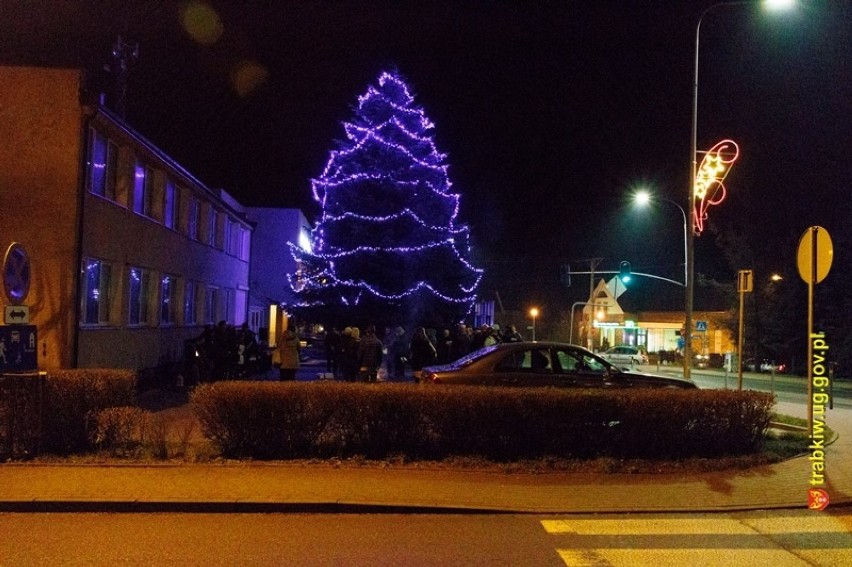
x,y
533,314
693,157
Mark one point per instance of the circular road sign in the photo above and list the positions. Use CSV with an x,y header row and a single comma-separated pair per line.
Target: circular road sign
x,y
16,273
814,255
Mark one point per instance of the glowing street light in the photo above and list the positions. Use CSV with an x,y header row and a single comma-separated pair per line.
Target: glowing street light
x,y
693,157
533,314
643,198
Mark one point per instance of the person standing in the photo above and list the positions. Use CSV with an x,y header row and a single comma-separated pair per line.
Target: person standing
x,y
333,344
512,335
288,355
370,351
399,349
422,351
460,343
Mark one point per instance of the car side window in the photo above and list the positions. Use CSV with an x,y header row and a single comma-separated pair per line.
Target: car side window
x,y
530,360
579,363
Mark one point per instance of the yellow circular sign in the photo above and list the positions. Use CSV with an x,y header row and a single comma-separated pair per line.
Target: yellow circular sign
x,y
814,255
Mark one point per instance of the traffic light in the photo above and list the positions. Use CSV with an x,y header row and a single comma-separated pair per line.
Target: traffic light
x,y
624,271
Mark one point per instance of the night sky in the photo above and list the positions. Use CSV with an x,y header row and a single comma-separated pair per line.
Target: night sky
x,y
551,113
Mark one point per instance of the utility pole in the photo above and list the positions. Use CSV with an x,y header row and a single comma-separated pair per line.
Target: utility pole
x,y
593,264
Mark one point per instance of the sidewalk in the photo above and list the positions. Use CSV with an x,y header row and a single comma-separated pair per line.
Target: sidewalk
x,y
322,487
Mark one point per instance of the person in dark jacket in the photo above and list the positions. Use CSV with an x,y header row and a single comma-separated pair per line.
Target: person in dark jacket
x,y
422,350
370,352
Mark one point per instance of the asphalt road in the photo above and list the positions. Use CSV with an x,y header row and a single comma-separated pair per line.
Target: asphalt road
x,y
779,538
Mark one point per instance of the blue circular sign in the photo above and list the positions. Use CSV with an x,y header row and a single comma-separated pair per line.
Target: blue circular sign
x,y
16,273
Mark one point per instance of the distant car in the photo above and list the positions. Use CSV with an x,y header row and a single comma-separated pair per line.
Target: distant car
x,y
751,365
625,355
544,364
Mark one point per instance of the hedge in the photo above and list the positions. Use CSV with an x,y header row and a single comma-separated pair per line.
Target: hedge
x,y
266,420
73,397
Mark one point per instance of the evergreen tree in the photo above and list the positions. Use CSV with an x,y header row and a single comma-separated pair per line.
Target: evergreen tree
x,y
387,247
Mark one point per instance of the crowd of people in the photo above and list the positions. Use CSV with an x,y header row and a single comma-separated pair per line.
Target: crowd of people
x,y
351,357
224,351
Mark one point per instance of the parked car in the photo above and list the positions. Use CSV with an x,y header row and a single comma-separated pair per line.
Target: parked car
x,y
548,364
625,355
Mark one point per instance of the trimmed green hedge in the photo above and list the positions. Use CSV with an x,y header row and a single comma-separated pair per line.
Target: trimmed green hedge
x,y
266,420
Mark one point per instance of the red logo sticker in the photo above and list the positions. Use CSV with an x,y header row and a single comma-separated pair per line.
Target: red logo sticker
x,y
817,499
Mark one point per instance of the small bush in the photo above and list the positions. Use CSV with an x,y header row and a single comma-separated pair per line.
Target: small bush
x,y
119,430
73,396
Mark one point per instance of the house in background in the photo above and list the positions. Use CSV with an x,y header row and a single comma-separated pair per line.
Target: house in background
x,y
130,254
272,266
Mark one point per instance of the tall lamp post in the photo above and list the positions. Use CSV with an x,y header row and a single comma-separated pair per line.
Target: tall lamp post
x,y
690,240
533,314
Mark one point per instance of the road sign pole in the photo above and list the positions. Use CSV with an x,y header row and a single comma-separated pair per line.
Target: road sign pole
x,y
740,344
813,260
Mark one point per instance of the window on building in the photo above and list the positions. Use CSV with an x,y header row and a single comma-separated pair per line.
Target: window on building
x,y
170,205
143,190
140,285
211,301
97,284
168,300
234,249
189,303
228,236
240,307
193,214
102,165
245,243
228,304
213,227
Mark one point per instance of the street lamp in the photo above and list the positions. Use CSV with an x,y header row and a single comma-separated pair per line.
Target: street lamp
x,y
643,198
693,157
533,314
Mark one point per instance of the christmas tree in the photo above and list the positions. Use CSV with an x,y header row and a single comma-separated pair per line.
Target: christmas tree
x,y
386,248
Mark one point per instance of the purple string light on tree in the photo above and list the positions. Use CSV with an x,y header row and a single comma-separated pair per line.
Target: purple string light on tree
x,y
387,238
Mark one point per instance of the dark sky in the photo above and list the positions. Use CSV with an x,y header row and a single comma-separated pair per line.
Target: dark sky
x,y
551,112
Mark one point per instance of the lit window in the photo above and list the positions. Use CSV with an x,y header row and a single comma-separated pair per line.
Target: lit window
x,y
168,301
226,234
102,165
245,243
171,205
139,291
143,190
213,227
97,279
193,212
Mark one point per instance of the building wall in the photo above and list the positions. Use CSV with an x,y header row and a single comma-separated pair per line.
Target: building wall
x,y
40,156
272,263
48,205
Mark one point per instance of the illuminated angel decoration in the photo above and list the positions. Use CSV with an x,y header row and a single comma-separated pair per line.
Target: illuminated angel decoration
x,y
709,186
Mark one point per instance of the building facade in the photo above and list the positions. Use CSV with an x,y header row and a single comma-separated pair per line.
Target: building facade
x,y
605,324
272,265
130,254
